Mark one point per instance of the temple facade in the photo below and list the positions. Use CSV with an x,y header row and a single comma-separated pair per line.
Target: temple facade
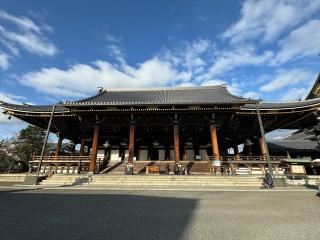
x,y
151,129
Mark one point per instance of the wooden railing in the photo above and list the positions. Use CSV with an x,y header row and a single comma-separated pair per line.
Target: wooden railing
x,y
67,159
54,162
81,163
248,159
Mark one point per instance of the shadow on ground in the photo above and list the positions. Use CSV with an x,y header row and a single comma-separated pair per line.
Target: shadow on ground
x,y
26,215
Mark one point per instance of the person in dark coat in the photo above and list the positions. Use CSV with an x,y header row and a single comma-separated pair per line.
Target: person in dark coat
x,y
167,169
267,180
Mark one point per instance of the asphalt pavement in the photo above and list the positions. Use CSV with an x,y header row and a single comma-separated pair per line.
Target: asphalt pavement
x,y
107,214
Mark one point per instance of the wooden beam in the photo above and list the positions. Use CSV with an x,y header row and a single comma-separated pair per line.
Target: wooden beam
x,y
131,143
58,147
214,142
263,148
94,150
176,142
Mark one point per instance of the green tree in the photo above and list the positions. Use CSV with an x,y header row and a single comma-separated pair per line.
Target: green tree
x,y
5,158
29,142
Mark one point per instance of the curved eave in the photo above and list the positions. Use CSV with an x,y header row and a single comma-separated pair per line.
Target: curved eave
x,y
32,109
285,106
121,104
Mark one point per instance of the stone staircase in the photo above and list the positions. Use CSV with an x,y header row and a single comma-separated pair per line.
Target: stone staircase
x,y
139,167
167,181
12,177
115,167
63,180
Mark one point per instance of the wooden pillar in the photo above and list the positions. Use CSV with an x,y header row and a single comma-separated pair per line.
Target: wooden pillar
x,y
263,148
236,151
131,144
82,147
176,142
184,152
58,147
214,142
167,152
94,150
73,148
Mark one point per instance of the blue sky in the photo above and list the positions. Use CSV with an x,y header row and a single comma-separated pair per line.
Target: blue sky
x,y
52,51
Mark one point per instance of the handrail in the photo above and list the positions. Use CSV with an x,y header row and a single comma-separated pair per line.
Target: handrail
x,y
60,161
62,158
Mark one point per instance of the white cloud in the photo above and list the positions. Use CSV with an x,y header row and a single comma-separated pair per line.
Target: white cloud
x,y
232,88
192,55
269,19
189,84
4,61
231,59
31,42
10,98
81,79
10,127
116,52
302,42
294,94
112,38
23,22
213,82
252,94
4,120
288,78
21,33
113,48
193,51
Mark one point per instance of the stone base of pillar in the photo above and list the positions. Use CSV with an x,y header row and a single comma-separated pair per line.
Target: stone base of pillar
x,y
129,169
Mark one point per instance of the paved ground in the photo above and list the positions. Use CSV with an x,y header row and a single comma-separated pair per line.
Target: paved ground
x,y
96,214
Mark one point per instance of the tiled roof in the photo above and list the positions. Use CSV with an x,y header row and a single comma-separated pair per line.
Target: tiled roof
x,y
163,96
301,135
32,108
315,90
283,105
292,145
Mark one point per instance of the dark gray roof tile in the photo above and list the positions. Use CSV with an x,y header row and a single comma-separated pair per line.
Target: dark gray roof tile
x,y
178,95
283,105
274,145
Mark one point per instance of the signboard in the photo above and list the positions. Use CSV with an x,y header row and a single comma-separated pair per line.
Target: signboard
x,y
298,169
216,163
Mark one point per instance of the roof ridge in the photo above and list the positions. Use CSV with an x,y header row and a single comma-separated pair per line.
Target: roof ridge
x,y
292,101
161,88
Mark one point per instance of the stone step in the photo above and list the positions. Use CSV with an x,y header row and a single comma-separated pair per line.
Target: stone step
x,y
176,183
158,180
165,180
171,176
12,177
172,180
60,180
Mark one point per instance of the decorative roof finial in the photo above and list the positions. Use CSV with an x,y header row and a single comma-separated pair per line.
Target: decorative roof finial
x,y
100,89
